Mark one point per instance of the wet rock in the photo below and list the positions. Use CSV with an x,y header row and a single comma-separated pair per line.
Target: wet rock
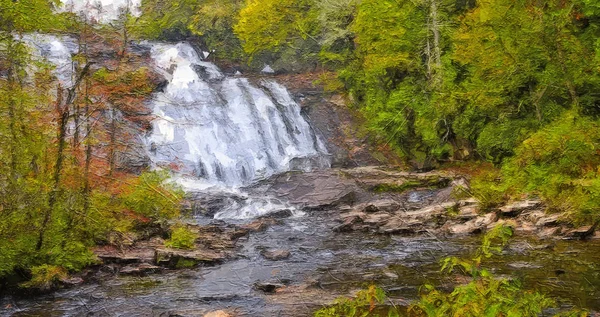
x,y
281,214
182,258
110,254
218,313
268,287
549,232
514,209
532,216
468,213
582,232
385,205
348,224
548,221
275,255
474,226
71,281
376,219
259,225
401,226
525,227
141,269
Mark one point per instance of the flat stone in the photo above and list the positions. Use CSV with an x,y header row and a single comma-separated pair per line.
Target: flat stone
x,y
533,216
548,221
275,255
582,232
170,257
259,225
386,205
142,269
526,227
549,232
468,212
348,224
401,225
474,226
72,281
515,208
376,218
131,255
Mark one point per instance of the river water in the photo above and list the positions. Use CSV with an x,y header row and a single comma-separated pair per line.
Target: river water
x,y
323,265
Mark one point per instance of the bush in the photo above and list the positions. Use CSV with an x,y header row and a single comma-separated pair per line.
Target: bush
x,y
45,277
485,295
560,164
150,196
363,305
181,238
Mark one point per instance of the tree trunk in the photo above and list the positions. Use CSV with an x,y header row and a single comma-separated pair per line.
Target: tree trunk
x,y
63,113
436,53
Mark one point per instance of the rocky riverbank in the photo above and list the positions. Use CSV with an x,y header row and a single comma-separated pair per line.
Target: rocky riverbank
x,y
365,200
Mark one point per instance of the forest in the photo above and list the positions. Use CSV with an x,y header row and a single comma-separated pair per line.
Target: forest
x,y
506,92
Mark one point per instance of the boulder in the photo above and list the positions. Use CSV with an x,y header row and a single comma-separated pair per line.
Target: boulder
x,y
174,258
582,232
275,255
515,208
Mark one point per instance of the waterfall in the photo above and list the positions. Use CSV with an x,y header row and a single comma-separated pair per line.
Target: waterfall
x,y
215,133
224,131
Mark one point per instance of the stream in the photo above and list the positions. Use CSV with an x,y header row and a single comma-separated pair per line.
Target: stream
x,y
322,265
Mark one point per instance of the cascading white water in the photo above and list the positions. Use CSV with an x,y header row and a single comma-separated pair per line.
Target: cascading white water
x,y
213,131
224,131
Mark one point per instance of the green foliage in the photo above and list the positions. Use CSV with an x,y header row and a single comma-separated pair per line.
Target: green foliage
x,y
151,196
181,238
363,305
44,277
560,163
485,295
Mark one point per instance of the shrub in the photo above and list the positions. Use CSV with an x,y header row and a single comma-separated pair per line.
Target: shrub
x,y
363,305
560,164
151,196
45,277
485,295
181,238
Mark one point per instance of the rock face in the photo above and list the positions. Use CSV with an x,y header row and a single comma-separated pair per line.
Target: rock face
x,y
333,188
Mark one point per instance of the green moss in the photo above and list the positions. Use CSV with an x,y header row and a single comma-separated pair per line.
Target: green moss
x,y
185,263
434,183
181,238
